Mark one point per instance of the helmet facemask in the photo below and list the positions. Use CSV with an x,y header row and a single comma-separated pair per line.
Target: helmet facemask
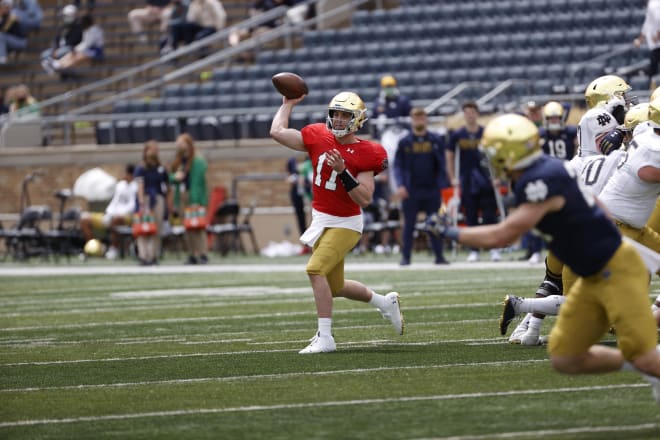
x,y
350,103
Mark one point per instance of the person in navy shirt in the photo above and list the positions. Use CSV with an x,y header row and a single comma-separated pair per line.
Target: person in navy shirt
x,y
391,107
153,197
420,174
612,286
473,179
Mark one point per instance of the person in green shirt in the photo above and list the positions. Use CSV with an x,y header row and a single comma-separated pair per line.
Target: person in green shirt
x,y
189,176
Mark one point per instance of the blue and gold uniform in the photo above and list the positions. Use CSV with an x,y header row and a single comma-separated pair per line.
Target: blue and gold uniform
x,y
559,144
477,193
584,238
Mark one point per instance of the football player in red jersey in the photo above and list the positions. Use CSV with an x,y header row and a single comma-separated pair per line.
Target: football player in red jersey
x,y
343,182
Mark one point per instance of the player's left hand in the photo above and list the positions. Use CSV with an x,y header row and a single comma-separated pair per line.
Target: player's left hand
x,y
436,225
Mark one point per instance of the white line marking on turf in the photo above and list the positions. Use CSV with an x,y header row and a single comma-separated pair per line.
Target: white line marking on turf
x,y
271,376
549,432
286,406
230,317
254,268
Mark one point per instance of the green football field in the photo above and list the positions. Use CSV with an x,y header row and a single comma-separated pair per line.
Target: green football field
x,y
112,351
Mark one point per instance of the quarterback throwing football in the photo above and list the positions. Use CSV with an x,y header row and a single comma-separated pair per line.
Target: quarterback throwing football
x,y
343,182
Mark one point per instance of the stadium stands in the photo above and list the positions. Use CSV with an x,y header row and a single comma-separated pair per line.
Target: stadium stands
x,y
429,46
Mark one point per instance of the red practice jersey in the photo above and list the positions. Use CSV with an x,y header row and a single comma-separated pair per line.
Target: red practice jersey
x,y
328,194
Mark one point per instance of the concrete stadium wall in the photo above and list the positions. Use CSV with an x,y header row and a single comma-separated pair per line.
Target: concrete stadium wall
x,y
61,166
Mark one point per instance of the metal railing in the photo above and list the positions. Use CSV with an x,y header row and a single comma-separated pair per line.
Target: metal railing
x,y
286,30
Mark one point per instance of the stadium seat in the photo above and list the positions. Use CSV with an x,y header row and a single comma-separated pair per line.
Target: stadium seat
x,y
208,128
104,133
172,90
190,89
163,130
193,128
227,128
123,132
140,131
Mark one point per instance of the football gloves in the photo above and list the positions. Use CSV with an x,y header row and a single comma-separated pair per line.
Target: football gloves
x,y
437,225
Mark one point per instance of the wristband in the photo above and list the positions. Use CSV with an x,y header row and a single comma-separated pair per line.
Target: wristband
x,y
348,180
452,233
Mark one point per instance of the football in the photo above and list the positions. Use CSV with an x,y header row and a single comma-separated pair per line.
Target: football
x,y
290,85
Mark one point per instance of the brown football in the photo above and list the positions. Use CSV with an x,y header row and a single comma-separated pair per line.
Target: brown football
x,y
290,85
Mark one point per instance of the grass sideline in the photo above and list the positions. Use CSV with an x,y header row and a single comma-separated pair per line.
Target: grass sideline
x,y
213,355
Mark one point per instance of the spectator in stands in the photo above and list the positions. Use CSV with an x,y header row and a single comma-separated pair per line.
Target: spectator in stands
x,y
203,18
154,197
651,34
473,180
21,102
173,26
29,13
257,8
118,212
69,35
391,107
189,175
89,49
154,12
12,34
420,174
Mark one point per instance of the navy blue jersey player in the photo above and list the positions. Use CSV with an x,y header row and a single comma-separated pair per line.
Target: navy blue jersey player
x,y
612,288
476,189
557,138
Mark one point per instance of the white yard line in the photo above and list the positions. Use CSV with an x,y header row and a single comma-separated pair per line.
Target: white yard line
x,y
224,353
550,432
287,406
271,376
366,310
250,268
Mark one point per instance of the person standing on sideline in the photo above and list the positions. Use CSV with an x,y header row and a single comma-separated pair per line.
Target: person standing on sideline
x,y
612,288
473,181
391,107
650,33
189,168
343,182
153,198
420,174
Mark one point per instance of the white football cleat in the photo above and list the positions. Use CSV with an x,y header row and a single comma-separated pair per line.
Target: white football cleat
x,y
518,332
393,312
531,337
473,256
495,255
320,344
535,258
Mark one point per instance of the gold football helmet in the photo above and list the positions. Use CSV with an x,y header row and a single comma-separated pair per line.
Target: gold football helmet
x,y
553,109
93,248
654,113
511,142
606,89
637,114
347,102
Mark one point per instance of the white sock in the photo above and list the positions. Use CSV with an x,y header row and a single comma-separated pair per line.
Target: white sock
x,y
547,306
526,319
325,326
378,301
535,323
627,366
